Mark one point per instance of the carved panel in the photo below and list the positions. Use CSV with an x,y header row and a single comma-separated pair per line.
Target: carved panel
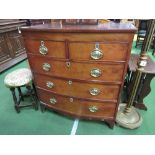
x,y
12,48
16,41
4,49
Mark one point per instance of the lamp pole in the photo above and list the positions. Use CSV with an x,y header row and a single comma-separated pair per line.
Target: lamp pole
x,y
127,115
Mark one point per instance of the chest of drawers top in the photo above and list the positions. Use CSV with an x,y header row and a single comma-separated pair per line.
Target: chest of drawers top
x,y
106,27
108,32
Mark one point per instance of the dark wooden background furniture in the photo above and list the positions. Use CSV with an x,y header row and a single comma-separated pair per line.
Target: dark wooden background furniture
x,y
80,21
79,70
37,21
141,33
12,48
144,88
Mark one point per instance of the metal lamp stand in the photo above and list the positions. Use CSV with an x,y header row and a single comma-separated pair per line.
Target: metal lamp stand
x,y
127,115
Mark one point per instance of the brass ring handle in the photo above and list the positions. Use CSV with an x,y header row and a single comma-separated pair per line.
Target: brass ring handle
x,y
94,91
49,84
53,100
96,72
93,109
46,66
96,53
43,49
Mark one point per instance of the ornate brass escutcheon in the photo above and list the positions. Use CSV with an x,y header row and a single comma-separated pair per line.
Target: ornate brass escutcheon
x,y
71,99
93,109
43,49
70,82
68,64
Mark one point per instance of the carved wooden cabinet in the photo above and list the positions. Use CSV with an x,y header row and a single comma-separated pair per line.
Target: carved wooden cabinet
x,y
38,21
12,48
79,70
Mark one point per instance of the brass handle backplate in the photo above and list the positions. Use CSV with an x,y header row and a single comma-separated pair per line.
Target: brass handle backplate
x,y
43,49
49,84
96,53
46,67
93,109
53,100
94,91
95,72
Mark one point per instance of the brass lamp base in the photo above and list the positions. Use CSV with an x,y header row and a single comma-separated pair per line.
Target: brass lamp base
x,y
129,120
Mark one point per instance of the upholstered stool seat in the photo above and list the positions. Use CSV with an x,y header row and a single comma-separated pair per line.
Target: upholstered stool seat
x,y
21,78
18,78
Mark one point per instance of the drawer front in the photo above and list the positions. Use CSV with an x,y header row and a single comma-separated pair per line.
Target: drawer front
x,y
78,89
53,49
76,70
98,51
77,107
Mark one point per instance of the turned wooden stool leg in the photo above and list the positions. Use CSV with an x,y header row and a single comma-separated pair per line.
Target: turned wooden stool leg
x,y
14,80
33,96
15,99
20,93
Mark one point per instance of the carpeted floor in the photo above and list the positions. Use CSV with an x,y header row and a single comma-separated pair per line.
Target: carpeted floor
x,y
31,122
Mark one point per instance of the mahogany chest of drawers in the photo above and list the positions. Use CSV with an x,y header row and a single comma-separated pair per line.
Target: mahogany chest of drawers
x,y
79,70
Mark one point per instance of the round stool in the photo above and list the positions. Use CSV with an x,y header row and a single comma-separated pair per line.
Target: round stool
x,y
21,78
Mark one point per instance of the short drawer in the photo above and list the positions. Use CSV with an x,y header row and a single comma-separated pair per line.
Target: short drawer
x,y
78,89
98,51
55,49
76,107
78,70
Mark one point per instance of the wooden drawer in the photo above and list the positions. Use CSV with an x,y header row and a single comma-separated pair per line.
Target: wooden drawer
x,y
56,49
78,89
98,51
78,70
77,107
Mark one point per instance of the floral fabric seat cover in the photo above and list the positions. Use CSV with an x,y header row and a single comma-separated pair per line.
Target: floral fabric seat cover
x,y
18,78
